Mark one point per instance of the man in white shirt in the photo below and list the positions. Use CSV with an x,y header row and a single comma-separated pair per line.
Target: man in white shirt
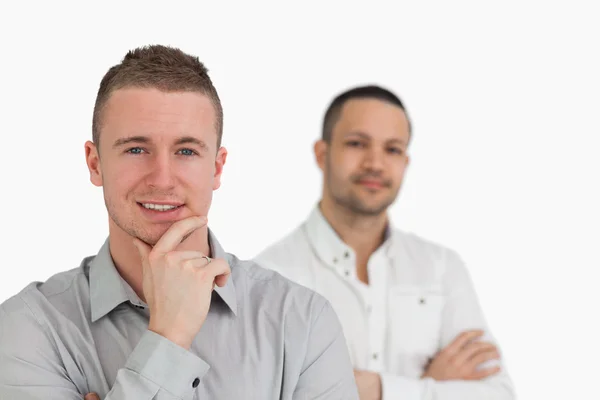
x,y
410,313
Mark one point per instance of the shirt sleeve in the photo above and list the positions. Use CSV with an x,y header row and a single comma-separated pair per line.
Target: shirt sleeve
x,y
327,370
160,368
401,387
462,312
31,366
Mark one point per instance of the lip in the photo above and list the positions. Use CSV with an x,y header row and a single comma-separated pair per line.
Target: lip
x,y
162,203
162,216
371,184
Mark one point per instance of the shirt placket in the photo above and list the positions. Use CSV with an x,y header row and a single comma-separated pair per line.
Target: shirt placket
x,y
376,311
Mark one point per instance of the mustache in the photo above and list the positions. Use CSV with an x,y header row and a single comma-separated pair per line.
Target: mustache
x,y
371,177
161,194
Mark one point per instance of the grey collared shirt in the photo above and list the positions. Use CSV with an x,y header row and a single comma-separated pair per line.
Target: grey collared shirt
x,y
85,330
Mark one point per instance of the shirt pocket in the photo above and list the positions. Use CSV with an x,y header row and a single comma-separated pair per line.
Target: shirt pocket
x,y
415,315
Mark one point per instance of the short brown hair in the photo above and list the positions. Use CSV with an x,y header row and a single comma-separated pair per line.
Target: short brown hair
x,y
165,68
334,111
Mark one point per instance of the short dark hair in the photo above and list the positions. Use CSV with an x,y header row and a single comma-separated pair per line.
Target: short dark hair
x,y
334,111
161,67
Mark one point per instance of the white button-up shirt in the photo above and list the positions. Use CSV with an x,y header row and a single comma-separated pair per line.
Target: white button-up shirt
x,y
419,298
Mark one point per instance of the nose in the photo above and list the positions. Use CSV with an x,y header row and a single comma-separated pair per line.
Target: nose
x,y
160,172
374,159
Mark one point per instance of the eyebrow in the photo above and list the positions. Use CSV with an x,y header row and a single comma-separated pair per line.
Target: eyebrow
x,y
367,137
191,140
145,140
130,139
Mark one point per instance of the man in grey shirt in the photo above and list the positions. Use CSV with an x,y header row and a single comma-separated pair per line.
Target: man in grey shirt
x,y
162,311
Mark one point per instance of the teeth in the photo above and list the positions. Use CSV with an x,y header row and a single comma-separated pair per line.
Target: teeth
x,y
158,207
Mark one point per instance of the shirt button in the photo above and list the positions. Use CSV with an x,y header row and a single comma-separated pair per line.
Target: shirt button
x,y
196,383
375,356
346,254
422,300
347,273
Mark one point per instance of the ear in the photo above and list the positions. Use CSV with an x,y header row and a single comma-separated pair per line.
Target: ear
x,y
219,164
92,159
320,149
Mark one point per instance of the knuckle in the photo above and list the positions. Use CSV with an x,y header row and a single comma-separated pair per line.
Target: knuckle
x,y
171,258
187,264
202,275
153,257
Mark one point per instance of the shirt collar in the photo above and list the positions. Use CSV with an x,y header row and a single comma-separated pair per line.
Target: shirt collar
x,y
227,292
329,246
108,289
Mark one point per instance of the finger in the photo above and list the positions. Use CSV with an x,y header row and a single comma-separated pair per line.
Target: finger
x,y
194,262
483,373
482,357
221,280
471,350
176,257
176,232
461,340
91,396
219,270
142,248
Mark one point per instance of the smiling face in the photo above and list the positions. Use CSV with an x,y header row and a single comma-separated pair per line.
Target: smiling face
x,y
157,160
365,159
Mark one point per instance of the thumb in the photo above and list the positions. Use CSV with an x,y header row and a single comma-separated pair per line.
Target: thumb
x,y
142,248
91,396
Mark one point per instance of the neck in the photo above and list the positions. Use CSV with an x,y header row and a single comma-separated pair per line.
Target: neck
x,y
363,233
127,258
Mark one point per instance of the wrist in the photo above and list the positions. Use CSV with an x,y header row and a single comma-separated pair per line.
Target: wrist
x,y
180,339
378,387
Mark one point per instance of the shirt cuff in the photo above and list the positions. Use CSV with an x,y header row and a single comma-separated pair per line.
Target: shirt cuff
x,y
167,364
395,387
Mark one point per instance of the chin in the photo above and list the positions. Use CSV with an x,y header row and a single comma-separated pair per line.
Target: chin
x,y
147,234
371,208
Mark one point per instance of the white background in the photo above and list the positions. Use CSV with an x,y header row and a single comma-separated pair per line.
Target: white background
x,y
504,102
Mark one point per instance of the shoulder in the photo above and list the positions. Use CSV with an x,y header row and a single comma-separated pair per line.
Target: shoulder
x,y
293,241
428,258
36,305
292,251
274,292
420,248
22,321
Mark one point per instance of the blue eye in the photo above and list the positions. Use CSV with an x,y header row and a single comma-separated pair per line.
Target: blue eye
x,y
187,152
135,150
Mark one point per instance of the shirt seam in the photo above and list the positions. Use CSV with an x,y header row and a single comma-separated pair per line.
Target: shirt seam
x,y
160,386
42,326
68,287
310,332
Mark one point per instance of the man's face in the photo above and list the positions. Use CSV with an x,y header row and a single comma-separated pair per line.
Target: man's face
x,y
365,161
157,160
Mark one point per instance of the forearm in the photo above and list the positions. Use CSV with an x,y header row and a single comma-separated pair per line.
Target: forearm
x,y
395,387
327,370
158,369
